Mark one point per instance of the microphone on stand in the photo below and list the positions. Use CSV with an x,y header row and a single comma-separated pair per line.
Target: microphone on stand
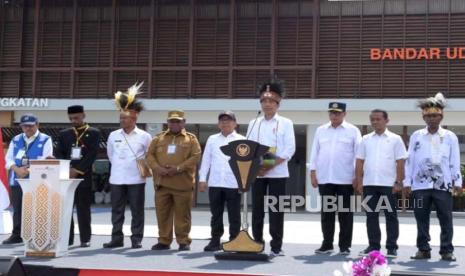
x,y
253,125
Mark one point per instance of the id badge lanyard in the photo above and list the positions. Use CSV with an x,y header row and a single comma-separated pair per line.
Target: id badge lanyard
x,y
172,147
76,150
25,158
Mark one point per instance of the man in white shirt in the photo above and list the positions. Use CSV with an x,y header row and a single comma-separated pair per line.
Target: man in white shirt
x,y
432,172
276,132
124,147
29,145
332,171
223,188
380,170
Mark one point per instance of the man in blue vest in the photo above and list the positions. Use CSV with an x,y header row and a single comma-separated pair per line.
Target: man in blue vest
x,y
29,145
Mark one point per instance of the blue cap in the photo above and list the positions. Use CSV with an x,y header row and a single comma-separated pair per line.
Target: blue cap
x,y
28,119
337,106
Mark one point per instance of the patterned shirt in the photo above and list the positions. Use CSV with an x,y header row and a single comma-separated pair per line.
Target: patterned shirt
x,y
434,161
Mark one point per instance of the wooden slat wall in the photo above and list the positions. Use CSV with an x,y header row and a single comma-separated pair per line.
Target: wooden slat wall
x,y
125,79
245,82
25,86
393,77
94,34
348,30
116,45
224,48
53,84
92,85
253,33
210,84
170,84
456,67
8,83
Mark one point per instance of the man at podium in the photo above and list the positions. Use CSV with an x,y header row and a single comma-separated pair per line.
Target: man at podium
x,y
80,144
276,132
26,146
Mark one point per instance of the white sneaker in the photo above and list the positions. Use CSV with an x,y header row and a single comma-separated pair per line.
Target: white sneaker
x,y
107,198
98,197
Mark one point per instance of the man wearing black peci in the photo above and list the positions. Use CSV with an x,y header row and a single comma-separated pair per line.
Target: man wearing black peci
x,y
80,144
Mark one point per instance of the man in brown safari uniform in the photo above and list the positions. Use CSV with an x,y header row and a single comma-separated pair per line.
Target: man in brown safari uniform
x,y
173,156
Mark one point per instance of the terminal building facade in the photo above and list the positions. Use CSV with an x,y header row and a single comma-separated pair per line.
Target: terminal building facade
x,y
205,56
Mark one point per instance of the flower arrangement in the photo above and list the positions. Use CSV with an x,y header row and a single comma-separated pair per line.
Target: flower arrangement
x,y
374,264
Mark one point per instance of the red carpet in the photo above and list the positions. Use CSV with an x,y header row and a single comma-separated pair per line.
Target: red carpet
x,y
97,272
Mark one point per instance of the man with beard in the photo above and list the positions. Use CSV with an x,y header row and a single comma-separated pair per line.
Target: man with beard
x,y
80,144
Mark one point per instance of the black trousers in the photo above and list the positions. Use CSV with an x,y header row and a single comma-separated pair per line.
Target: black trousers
x,y
82,201
272,187
328,217
382,197
120,194
423,200
17,203
218,198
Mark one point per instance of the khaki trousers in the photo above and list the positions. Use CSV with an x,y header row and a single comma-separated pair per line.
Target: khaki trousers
x,y
173,206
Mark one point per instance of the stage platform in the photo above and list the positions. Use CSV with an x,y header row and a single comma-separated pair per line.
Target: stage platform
x,y
298,260
299,256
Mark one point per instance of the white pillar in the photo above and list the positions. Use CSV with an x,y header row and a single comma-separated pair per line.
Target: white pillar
x,y
311,193
153,129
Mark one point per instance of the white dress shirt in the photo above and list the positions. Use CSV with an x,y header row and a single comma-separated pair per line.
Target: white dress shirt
x,y
215,162
380,153
123,161
47,151
277,132
333,153
434,161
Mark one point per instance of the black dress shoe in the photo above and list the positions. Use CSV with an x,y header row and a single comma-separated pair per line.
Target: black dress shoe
x,y
421,255
366,251
184,247
448,257
391,253
13,240
113,244
136,245
324,249
85,244
160,246
212,246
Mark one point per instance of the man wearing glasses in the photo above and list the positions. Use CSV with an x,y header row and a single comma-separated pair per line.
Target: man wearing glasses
x,y
29,145
332,171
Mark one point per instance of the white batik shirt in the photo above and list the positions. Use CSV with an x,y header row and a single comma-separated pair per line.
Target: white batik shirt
x,y
434,161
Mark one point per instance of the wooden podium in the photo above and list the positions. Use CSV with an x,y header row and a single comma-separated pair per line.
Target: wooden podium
x,y
48,197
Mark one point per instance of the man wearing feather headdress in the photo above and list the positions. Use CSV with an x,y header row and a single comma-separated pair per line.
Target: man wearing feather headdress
x,y
432,174
124,147
276,132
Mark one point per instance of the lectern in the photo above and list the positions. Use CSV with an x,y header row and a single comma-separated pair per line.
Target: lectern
x,y
48,197
246,158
